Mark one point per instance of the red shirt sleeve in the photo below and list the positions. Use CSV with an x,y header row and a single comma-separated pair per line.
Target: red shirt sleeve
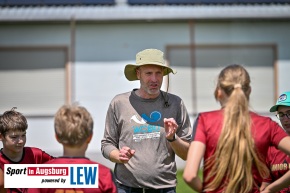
x,y
106,180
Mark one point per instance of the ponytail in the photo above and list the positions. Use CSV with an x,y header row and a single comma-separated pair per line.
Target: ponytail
x,y
235,155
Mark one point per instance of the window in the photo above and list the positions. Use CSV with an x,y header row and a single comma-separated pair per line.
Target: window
x,y
201,65
33,79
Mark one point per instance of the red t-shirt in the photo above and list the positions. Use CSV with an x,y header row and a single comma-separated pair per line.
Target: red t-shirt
x,y
265,132
106,178
279,164
31,155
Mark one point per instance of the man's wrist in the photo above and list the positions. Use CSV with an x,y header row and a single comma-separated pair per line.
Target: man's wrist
x,y
173,139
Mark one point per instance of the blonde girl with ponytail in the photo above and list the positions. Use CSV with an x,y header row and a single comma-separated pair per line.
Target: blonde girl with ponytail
x,y
232,141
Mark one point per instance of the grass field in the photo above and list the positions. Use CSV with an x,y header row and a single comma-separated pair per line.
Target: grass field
x,y
182,187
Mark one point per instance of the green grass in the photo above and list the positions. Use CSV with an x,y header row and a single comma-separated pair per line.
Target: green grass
x,y
182,187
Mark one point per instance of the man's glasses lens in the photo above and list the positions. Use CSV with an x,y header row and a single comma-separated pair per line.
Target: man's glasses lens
x,y
282,115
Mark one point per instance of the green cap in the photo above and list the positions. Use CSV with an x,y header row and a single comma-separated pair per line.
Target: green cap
x,y
283,100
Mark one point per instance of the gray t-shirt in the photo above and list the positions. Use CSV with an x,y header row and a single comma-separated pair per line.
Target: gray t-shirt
x,y
138,123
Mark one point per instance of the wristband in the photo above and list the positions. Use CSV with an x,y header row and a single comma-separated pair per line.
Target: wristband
x,y
171,140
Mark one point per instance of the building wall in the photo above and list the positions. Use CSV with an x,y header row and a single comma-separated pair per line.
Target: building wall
x,y
103,49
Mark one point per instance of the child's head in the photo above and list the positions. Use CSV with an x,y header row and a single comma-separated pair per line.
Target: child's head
x,y
232,77
73,125
12,121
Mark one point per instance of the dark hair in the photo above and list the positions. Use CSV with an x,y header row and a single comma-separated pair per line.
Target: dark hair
x,y
12,120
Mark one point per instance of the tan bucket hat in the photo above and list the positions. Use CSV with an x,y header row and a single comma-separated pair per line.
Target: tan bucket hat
x,y
145,57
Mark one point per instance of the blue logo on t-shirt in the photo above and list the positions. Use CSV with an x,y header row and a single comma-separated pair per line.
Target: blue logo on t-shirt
x,y
144,130
154,117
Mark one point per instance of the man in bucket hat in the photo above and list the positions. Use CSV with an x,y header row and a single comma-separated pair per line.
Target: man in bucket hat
x,y
145,128
145,57
278,161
